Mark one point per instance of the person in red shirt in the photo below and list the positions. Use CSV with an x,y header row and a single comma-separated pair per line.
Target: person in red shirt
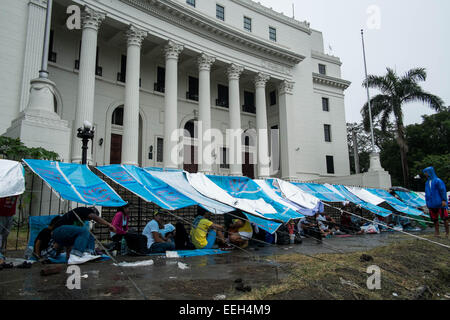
x,y
7,212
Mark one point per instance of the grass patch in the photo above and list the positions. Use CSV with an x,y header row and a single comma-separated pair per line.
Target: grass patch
x,y
406,266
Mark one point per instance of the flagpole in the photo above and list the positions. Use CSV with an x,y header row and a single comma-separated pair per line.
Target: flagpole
x,y
368,94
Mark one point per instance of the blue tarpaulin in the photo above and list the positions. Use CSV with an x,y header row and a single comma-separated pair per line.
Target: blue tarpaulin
x,y
149,188
411,199
395,203
170,190
245,188
178,181
320,191
368,206
75,182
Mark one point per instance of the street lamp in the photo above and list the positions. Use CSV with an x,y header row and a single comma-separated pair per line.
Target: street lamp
x,y
85,133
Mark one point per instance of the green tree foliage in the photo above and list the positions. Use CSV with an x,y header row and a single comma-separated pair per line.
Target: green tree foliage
x,y
429,145
14,149
395,92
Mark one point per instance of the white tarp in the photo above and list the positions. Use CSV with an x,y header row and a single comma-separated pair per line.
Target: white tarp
x,y
209,189
177,181
365,195
297,195
272,194
12,181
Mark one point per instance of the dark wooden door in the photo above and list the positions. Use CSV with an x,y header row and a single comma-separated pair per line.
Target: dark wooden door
x,y
248,168
190,159
116,149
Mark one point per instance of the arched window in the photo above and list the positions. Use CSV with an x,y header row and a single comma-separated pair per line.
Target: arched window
x,y
117,116
189,129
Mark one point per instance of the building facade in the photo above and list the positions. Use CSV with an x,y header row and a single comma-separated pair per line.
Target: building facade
x,y
138,70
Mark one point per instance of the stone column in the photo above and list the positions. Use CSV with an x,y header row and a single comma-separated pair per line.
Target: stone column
x,y
261,125
235,134
171,152
204,105
91,21
285,91
33,47
130,141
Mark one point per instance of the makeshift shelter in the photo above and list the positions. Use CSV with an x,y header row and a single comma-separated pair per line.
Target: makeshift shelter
x,y
397,204
349,196
272,193
246,188
411,198
147,187
75,182
172,191
320,191
12,181
310,203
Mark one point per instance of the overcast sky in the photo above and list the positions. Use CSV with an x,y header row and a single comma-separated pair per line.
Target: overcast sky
x,y
412,33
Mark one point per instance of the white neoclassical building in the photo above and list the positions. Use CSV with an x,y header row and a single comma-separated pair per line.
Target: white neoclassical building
x,y
141,69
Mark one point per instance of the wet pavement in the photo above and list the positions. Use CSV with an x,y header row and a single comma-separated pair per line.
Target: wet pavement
x,y
204,278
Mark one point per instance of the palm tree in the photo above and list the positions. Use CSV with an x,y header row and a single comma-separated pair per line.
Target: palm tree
x,y
395,93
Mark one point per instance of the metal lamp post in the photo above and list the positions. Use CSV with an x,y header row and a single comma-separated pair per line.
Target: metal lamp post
x,y
85,133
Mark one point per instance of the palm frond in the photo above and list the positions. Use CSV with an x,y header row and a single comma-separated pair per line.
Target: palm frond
x,y
433,101
379,104
415,75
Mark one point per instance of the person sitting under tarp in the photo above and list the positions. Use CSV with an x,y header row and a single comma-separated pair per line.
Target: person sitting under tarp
x,y
50,242
73,217
327,225
120,222
383,223
347,224
309,228
156,242
181,237
205,233
240,232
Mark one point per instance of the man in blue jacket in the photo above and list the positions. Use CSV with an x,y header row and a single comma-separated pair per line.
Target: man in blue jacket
x,y
436,197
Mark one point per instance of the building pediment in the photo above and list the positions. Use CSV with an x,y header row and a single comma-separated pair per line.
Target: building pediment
x,y
177,13
331,81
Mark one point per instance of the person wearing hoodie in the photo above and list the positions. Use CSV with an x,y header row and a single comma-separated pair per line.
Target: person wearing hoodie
x,y
436,198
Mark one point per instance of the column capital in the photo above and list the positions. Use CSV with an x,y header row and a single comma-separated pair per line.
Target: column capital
x,y
261,80
135,36
173,50
286,87
205,62
234,71
91,18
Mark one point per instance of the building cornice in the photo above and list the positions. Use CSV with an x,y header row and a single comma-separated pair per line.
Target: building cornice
x,y
177,12
331,81
268,12
326,57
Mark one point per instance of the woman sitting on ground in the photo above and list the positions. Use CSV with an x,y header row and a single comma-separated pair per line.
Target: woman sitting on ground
x,y
120,222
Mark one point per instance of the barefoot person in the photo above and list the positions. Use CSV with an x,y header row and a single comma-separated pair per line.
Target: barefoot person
x,y
436,198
